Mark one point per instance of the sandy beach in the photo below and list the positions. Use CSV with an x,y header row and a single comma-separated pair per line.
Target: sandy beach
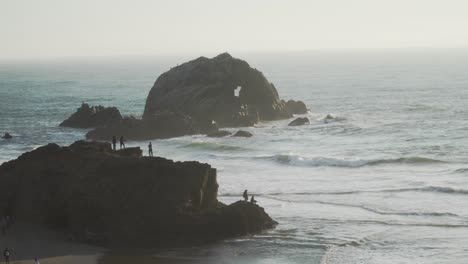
x,y
27,242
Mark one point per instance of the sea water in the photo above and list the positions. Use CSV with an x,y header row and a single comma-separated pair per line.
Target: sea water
x,y
385,181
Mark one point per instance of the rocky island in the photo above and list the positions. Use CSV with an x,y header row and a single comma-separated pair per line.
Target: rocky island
x,y
108,197
197,97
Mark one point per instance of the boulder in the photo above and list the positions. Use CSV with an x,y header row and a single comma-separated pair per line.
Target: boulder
x,y
98,195
224,89
299,121
220,133
92,116
242,133
296,107
7,136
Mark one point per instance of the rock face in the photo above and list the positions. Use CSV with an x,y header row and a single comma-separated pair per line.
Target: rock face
x,y
94,116
242,133
7,136
206,89
299,121
113,197
296,107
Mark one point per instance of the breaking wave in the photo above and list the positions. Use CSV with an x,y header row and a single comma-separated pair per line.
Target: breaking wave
x,y
301,161
212,146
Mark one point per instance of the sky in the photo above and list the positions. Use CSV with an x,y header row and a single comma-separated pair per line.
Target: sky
x,y
74,28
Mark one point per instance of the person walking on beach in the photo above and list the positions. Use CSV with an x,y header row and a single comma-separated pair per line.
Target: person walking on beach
x,y
122,144
150,149
246,196
6,254
114,143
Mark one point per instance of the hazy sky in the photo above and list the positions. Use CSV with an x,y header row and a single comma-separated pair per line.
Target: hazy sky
x,y
56,28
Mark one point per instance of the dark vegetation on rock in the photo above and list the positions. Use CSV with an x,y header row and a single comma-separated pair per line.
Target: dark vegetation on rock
x,y
92,116
299,121
242,133
118,197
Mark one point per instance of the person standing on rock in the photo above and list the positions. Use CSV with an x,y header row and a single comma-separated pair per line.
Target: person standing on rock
x,y
150,149
246,196
114,142
6,255
122,144
252,200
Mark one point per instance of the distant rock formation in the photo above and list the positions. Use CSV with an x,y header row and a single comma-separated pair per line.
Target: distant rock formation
x,y
299,121
92,116
242,133
161,125
118,197
296,107
224,89
7,136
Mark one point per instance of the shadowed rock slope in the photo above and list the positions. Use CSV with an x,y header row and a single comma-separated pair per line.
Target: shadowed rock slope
x,y
118,197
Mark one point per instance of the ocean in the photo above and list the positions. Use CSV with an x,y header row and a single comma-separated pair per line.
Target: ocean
x,y
386,181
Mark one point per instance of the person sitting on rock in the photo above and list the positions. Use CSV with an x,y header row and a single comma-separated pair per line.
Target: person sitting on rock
x,y
122,144
150,149
114,143
252,200
246,195
6,254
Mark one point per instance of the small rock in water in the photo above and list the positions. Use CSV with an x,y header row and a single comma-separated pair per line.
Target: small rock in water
x,y
242,133
220,133
299,121
7,136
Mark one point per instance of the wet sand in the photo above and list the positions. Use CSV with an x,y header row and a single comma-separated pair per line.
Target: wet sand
x,y
27,242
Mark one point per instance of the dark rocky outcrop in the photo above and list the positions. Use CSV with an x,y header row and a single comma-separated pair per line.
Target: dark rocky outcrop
x,y
7,136
161,125
299,121
242,133
296,107
220,133
92,116
206,89
112,197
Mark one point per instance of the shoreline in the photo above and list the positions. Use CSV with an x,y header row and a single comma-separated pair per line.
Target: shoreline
x,y
27,241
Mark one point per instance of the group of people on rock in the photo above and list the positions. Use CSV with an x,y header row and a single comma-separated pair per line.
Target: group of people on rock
x,y
246,197
122,145
114,142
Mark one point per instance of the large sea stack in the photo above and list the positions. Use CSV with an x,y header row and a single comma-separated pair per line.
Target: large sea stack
x,y
201,95
206,89
112,197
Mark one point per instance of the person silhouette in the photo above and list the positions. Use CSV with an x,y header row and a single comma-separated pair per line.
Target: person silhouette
x,y
150,149
122,144
252,200
114,143
246,195
6,254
